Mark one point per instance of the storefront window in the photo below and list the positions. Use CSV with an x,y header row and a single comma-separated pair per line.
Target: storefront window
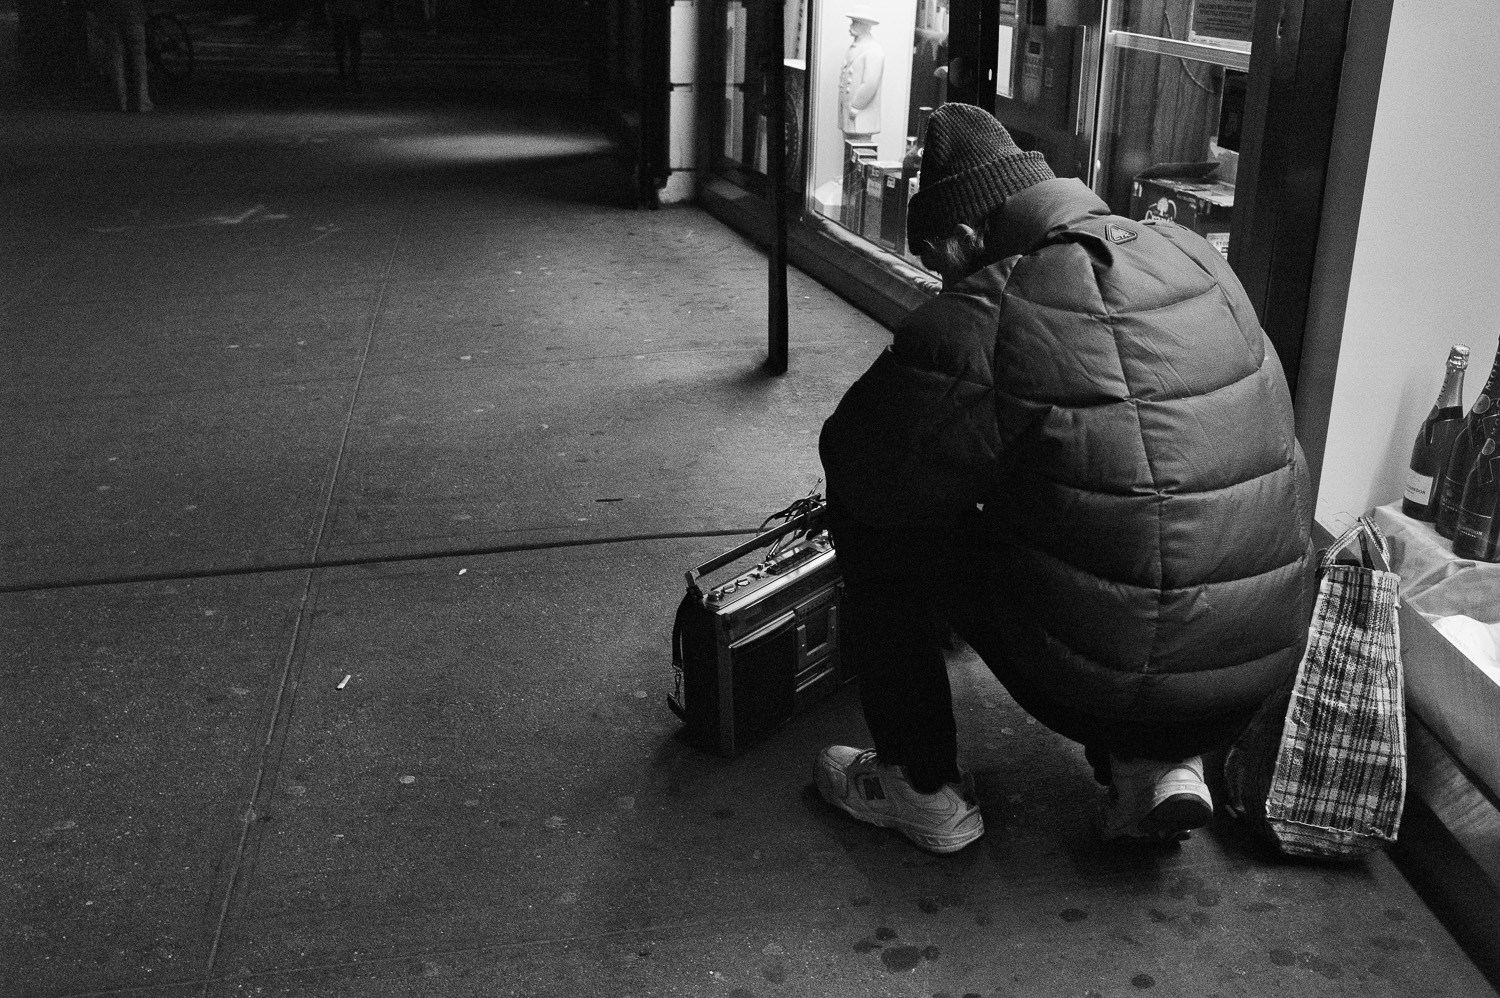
x,y
1172,99
1045,75
747,85
1142,100
1147,109
877,70
736,52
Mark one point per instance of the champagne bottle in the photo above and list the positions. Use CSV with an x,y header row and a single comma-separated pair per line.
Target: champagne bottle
x,y
1434,440
910,164
1477,535
911,168
1466,444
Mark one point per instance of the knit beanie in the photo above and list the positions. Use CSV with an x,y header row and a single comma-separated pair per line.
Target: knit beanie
x,y
970,165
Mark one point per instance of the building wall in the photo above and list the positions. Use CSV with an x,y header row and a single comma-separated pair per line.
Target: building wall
x,y
1426,264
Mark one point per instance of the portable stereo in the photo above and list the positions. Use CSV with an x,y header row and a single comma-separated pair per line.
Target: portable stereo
x,y
752,652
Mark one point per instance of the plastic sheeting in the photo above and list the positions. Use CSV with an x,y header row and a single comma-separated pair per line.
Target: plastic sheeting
x,y
1460,597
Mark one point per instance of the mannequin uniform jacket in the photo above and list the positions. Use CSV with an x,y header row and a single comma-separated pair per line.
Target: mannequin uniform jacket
x,y
1105,393
859,87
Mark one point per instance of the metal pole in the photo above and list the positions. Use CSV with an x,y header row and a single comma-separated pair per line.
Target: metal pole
x,y
656,95
775,111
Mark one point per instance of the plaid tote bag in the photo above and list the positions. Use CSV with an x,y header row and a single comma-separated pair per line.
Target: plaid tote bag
x,y
1321,769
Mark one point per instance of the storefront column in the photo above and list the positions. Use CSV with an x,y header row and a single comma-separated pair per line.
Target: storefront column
x,y
682,104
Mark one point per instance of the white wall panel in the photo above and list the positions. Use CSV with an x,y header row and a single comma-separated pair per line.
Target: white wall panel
x,y
1426,271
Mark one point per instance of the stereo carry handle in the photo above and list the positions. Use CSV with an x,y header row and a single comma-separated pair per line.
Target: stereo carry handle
x,y
805,521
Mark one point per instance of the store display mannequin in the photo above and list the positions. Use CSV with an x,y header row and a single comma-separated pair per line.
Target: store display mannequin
x,y
859,82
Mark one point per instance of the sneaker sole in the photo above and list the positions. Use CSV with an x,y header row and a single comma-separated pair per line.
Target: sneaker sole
x,y
942,846
1175,817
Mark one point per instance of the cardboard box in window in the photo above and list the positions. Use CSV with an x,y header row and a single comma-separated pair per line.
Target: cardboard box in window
x,y
856,154
873,218
1188,194
894,197
829,199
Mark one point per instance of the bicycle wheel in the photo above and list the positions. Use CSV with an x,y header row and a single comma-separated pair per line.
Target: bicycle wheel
x,y
169,48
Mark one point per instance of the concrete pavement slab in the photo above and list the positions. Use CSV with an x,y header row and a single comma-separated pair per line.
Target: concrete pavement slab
x,y
162,345
482,455
135,719
236,246
625,283
477,767
224,265
21,270
497,802
168,483
861,949
576,244
434,325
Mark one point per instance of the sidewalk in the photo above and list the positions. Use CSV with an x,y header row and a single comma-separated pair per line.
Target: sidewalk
x,y
355,449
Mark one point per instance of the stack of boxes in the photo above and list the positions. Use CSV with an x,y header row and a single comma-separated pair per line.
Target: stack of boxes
x,y
874,204
1188,194
873,221
893,209
851,209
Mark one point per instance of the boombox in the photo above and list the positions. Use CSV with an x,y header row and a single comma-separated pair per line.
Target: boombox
x,y
752,652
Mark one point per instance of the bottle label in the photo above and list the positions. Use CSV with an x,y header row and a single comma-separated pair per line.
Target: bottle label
x,y
1418,488
1472,539
1481,404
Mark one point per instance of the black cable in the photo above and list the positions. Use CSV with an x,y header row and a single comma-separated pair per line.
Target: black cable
x,y
810,503
323,563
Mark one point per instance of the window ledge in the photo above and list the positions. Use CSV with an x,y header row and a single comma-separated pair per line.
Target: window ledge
x,y
876,281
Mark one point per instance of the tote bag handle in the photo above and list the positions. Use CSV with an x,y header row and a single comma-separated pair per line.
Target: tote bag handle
x,y
1374,550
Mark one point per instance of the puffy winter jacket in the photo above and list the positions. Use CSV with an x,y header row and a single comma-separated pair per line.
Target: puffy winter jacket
x,y
1106,393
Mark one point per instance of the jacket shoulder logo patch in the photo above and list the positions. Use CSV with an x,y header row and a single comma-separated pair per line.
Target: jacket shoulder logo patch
x,y
1118,233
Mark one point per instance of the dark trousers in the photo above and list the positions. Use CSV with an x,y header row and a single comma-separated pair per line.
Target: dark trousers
x,y
903,590
347,46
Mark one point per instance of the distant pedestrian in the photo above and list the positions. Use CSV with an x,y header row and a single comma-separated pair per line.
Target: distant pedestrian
x,y
123,25
346,18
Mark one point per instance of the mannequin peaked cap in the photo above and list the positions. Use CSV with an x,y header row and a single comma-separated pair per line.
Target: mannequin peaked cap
x,y
970,166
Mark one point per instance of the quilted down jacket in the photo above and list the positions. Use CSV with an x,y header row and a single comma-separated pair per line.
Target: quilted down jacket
x,y
1108,397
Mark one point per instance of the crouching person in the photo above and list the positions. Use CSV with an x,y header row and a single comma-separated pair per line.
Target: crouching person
x,y
1080,456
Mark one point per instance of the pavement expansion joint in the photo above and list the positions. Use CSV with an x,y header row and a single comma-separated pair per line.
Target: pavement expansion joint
x,y
325,563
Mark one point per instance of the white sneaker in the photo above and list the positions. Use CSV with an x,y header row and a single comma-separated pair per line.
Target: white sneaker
x,y
854,780
1160,801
